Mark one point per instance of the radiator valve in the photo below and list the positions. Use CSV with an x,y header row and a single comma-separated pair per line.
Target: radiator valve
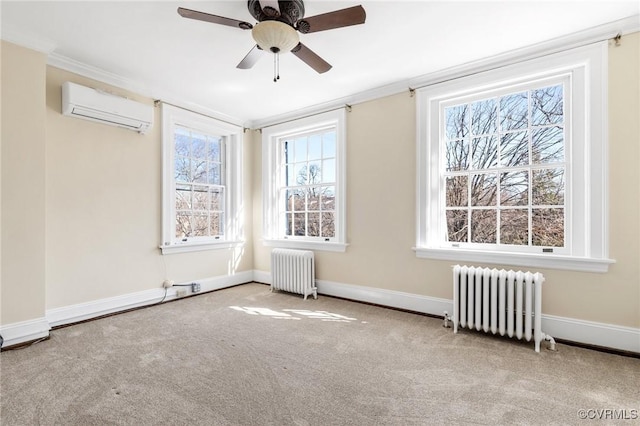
x,y
447,318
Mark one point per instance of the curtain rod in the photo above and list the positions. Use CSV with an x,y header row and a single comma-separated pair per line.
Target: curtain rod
x,y
616,39
345,106
159,101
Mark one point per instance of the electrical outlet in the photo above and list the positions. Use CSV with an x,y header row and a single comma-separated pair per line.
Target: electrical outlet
x,y
195,287
181,292
167,283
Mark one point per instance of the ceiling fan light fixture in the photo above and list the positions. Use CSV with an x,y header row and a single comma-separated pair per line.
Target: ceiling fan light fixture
x,y
275,36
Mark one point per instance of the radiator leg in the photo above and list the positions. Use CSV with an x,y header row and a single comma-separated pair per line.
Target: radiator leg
x,y
552,342
447,318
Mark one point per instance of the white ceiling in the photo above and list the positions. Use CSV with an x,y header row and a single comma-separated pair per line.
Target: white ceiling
x,y
148,46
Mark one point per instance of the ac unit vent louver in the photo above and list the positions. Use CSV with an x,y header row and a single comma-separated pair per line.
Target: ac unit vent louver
x,y
91,104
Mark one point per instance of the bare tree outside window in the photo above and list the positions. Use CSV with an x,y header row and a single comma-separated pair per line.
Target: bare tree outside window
x,y
505,168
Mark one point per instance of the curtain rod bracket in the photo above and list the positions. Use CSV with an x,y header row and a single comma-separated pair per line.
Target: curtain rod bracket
x,y
617,39
348,107
156,102
412,92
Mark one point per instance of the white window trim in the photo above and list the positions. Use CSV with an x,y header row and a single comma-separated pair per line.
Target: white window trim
x,y
270,136
587,67
233,233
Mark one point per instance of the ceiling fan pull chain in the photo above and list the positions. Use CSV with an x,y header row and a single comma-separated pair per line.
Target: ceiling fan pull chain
x,y
278,68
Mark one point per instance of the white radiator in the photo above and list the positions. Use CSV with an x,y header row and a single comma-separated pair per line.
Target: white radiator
x,y
499,301
293,271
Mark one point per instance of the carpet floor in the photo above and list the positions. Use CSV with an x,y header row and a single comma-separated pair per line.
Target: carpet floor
x,y
246,356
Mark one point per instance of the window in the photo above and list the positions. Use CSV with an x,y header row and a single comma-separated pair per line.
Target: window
x,y
201,182
512,164
303,166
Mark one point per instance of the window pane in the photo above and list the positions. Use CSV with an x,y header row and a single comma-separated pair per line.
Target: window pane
x,y
329,145
215,177
547,227
547,145
300,149
198,146
217,199
547,105
299,203
484,189
182,142
457,191
299,227
484,116
514,227
289,175
183,225
200,198
217,224
183,197
456,122
328,225
315,147
313,224
329,171
457,225
514,149
514,189
328,198
548,187
289,197
514,111
313,198
457,155
484,152
182,171
199,170
200,225
483,226
300,173
288,224
214,149
315,173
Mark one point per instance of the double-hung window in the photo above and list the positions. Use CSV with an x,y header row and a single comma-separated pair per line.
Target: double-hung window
x,y
512,164
303,172
201,184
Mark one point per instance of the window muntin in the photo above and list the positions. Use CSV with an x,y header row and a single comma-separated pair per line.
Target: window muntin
x,y
307,185
504,168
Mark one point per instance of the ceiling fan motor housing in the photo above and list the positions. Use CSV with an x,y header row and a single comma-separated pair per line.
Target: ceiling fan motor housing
x,y
290,11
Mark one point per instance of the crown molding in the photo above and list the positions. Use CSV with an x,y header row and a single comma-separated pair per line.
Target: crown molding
x,y
30,41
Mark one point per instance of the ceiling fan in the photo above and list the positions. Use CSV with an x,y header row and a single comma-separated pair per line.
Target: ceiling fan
x,y
277,29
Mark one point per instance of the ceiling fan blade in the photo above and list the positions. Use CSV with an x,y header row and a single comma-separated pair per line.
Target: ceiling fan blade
x,y
327,21
207,17
270,8
310,58
251,58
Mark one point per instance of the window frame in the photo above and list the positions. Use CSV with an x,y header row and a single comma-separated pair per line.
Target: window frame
x,y
586,188
271,173
231,138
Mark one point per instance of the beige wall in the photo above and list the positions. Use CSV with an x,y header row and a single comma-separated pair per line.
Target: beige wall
x,y
23,184
104,209
381,160
98,191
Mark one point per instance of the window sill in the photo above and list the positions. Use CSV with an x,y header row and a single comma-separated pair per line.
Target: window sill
x,y
190,247
307,245
570,263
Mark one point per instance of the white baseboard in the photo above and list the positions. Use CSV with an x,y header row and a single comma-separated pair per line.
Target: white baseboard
x,y
24,331
574,330
96,308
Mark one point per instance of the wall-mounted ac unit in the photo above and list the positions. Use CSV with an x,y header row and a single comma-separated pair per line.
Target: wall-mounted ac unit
x,y
95,105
